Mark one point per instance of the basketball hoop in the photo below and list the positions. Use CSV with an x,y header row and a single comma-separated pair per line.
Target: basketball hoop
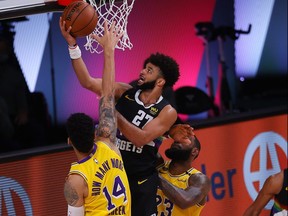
x,y
110,10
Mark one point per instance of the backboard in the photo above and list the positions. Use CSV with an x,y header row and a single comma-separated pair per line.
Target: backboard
x,y
17,8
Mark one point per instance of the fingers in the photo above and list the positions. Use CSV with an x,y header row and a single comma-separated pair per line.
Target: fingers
x,y
106,27
113,27
111,35
184,130
117,30
62,24
96,37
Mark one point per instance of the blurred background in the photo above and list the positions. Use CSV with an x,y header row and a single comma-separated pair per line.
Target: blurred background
x,y
233,64
232,57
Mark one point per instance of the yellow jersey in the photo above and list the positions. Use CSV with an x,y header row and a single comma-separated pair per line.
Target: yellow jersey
x,y
164,206
108,187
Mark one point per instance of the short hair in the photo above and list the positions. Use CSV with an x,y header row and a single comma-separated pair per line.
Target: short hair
x,y
168,66
80,129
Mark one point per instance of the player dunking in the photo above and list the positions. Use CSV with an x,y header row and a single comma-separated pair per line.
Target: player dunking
x,y
97,184
145,115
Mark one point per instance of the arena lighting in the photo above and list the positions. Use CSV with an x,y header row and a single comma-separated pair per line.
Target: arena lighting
x,y
208,33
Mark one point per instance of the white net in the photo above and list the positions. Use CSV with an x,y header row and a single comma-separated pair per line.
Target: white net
x,y
109,10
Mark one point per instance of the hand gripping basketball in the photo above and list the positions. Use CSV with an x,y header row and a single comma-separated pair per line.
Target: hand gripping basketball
x,y
82,18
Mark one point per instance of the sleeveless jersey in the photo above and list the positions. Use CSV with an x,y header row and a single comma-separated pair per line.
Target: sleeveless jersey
x,y
281,199
164,206
108,187
139,161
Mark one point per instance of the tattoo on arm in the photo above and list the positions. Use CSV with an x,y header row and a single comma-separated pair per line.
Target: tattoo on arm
x,y
70,194
107,120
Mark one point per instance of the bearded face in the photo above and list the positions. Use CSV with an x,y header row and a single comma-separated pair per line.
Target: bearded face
x,y
147,85
177,154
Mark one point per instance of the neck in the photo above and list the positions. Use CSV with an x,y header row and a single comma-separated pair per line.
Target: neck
x,y
80,155
179,167
150,96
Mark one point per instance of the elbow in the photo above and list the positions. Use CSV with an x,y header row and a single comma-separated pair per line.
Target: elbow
x,y
86,84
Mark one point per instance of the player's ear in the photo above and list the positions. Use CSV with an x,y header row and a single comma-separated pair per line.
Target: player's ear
x,y
195,152
161,82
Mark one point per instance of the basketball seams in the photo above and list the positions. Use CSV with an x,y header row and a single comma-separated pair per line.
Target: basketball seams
x,y
91,20
79,16
75,19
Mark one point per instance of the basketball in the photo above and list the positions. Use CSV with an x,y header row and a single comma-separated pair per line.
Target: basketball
x,y
81,16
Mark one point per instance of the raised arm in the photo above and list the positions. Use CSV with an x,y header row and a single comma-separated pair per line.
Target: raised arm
x,y
153,129
81,71
196,192
107,120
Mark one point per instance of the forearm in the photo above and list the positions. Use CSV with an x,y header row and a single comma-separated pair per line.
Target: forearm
x,y
108,79
151,130
136,135
82,73
259,203
107,119
175,195
77,62
251,212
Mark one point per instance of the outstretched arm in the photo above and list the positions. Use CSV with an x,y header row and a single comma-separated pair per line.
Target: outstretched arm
x,y
196,192
272,186
78,64
107,120
81,71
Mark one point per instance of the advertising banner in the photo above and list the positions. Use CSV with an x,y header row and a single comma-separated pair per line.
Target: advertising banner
x,y
237,157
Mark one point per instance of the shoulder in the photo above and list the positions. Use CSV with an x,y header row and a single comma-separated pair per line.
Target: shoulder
x,y
169,111
120,88
198,179
74,179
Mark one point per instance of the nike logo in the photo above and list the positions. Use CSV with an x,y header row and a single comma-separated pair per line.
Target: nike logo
x,y
141,182
126,96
